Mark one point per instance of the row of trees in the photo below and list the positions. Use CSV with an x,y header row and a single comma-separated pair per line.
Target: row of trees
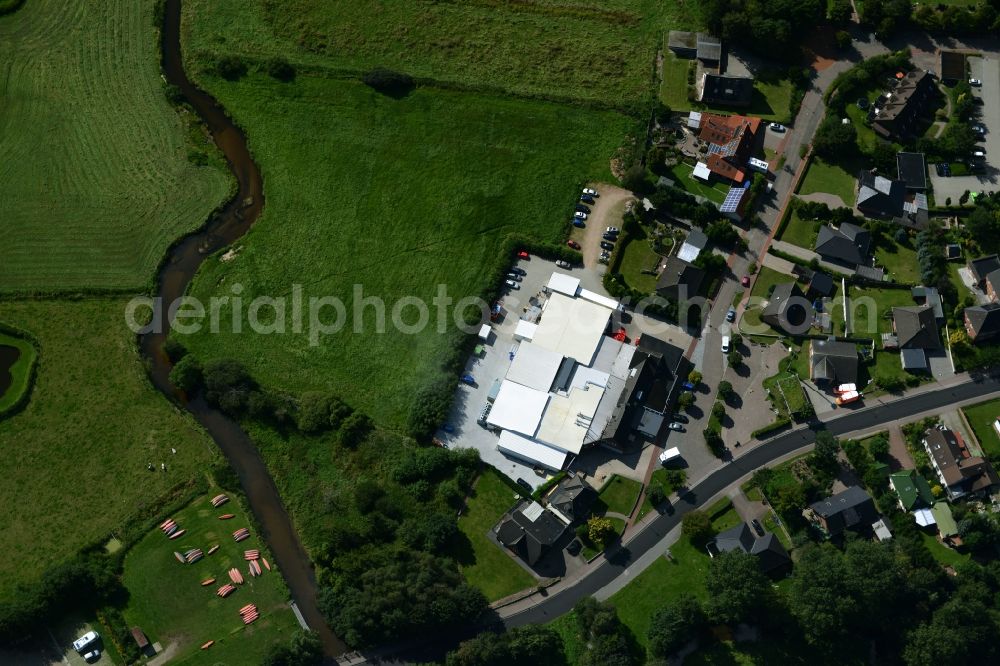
x,y
773,29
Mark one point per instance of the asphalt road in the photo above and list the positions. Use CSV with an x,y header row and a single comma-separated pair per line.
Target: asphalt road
x,y
782,445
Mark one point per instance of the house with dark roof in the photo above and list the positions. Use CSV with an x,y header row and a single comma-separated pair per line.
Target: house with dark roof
x,y
787,309
571,499
529,531
879,196
916,327
850,509
961,473
770,554
952,66
848,244
911,490
982,322
820,284
982,267
679,279
832,363
698,45
899,114
912,170
731,141
726,90
929,296
991,285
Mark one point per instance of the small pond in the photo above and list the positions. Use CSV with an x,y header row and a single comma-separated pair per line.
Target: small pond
x,y
8,357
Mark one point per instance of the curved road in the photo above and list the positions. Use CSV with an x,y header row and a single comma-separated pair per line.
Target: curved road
x,y
869,418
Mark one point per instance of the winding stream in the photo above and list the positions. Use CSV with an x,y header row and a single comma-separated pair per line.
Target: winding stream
x,y
176,273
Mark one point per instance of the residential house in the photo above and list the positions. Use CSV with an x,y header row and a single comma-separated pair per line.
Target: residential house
x,y
731,141
702,46
916,327
693,245
911,169
929,296
848,244
679,279
879,196
832,363
571,499
983,266
850,509
529,531
787,309
898,115
961,473
982,322
911,490
820,284
952,66
991,285
770,554
726,90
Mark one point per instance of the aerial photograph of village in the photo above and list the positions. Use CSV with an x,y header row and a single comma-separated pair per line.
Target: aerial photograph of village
x,y
500,332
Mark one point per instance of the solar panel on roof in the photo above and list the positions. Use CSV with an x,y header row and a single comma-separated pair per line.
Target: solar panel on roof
x,y
732,201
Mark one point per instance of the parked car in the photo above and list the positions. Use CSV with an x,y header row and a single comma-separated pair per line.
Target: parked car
x,y
680,418
523,254
574,547
979,129
514,276
524,484
676,426
612,230
85,640
757,527
92,656
582,208
483,413
590,192
609,237
731,314
604,258
468,379
975,82
688,386
725,344
512,285
587,199
519,271
561,263
579,223
580,216
979,153
943,169
745,280
607,246
670,454
573,244
777,127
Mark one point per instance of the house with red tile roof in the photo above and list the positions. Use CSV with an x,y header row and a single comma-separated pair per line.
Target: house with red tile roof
x,y
730,142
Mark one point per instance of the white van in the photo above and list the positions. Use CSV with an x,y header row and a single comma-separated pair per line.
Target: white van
x,y
85,640
670,454
725,344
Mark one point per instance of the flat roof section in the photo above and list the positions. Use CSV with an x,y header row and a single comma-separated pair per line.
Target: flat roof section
x,y
594,297
518,408
563,284
534,367
525,330
572,327
531,451
568,419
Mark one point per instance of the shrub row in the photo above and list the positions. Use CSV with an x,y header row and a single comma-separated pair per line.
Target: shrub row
x,y
22,400
771,428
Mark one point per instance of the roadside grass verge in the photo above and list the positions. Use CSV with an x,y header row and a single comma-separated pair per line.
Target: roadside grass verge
x,y
78,469
492,569
389,198
95,180
168,602
20,371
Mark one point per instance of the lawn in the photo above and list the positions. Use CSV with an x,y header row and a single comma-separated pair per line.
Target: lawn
x,y
618,495
800,232
389,199
19,372
771,101
95,178
638,256
887,365
674,87
981,418
493,571
92,423
868,306
943,554
766,278
831,179
683,180
900,262
659,478
168,602
519,48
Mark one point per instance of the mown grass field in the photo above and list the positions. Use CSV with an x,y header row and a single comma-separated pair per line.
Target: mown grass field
x,y
167,600
19,372
94,175
584,50
75,457
398,197
491,568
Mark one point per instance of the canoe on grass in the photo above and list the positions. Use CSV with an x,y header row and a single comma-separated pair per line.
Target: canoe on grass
x,y
205,646
227,516
247,607
177,534
266,565
166,522
170,530
180,558
219,500
250,618
213,549
207,581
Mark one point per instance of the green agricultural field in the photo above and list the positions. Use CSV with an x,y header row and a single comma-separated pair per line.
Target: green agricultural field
x,y
981,418
397,197
93,422
20,371
95,177
167,600
598,52
489,566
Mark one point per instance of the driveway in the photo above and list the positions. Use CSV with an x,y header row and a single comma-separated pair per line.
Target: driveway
x,y
607,212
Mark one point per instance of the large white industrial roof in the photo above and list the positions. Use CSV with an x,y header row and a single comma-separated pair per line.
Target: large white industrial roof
x,y
567,419
564,284
534,366
531,451
518,408
572,327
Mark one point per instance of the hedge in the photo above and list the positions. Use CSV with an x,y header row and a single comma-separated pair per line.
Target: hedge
x,y
771,428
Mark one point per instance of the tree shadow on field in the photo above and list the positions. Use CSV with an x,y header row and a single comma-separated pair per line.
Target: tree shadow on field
x,y
396,85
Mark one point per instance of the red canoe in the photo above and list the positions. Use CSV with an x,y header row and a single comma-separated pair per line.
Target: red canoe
x,y
177,534
227,516
266,565
208,581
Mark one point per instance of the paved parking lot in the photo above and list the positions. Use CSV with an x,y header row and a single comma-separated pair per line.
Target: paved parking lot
x,y
987,70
